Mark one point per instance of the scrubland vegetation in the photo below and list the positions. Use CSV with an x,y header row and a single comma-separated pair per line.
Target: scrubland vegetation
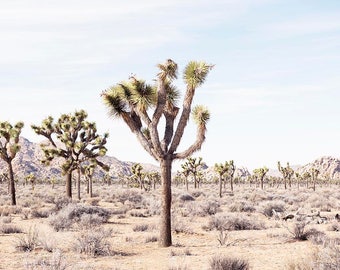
x,y
118,228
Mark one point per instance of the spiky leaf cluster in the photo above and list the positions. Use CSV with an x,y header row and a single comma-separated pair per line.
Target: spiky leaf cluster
x,y
9,140
225,169
133,101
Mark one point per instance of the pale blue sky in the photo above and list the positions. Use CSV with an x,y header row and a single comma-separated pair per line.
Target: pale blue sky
x,y
273,95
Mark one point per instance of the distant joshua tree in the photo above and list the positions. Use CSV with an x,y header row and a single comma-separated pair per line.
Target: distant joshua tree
x,y
314,175
193,166
75,140
132,101
260,173
287,173
225,171
9,147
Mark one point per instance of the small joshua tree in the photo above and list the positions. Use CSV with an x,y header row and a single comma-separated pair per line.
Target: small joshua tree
x,y
314,175
287,173
138,175
88,171
73,139
193,166
222,170
260,173
9,147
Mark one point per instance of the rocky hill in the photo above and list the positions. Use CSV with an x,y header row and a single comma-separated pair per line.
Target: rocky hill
x,y
28,161
329,167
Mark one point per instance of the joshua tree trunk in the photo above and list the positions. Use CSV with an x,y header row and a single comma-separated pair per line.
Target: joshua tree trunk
x,y
90,187
220,185
165,230
68,179
78,183
186,183
231,184
12,183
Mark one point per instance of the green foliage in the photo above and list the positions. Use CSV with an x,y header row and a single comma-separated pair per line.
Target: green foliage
x,y
72,138
9,140
195,73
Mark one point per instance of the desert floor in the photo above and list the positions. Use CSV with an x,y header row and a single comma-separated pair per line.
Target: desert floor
x,y
240,225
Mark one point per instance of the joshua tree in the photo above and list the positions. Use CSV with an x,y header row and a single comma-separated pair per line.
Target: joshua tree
x,y
314,175
260,173
9,147
287,173
131,100
154,177
193,166
185,172
75,140
138,175
30,178
88,171
222,170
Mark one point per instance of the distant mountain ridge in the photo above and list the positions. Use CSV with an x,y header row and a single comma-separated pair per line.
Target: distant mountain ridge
x,y
28,161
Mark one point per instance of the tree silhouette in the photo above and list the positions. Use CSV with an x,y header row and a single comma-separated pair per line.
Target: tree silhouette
x,y
9,147
132,101
73,139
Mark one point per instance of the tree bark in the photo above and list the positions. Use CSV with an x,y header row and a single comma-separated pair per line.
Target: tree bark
x,y
78,184
68,179
220,185
90,187
165,239
12,183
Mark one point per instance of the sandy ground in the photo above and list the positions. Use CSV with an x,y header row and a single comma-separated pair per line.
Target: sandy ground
x,y
270,248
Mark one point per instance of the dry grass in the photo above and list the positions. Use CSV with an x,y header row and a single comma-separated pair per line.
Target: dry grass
x,y
119,229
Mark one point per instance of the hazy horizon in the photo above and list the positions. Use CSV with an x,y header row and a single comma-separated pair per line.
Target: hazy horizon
x,y
273,93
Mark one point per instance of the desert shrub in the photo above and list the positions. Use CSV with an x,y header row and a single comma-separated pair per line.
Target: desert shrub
x,y
73,213
301,233
140,228
179,226
267,208
328,256
233,223
186,197
61,202
56,261
40,213
242,206
136,213
94,243
151,238
9,229
202,209
228,263
6,220
10,210
209,208
29,241
131,195
153,205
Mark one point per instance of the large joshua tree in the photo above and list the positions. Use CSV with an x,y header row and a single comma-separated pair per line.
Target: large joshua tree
x,y
9,147
75,140
133,100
